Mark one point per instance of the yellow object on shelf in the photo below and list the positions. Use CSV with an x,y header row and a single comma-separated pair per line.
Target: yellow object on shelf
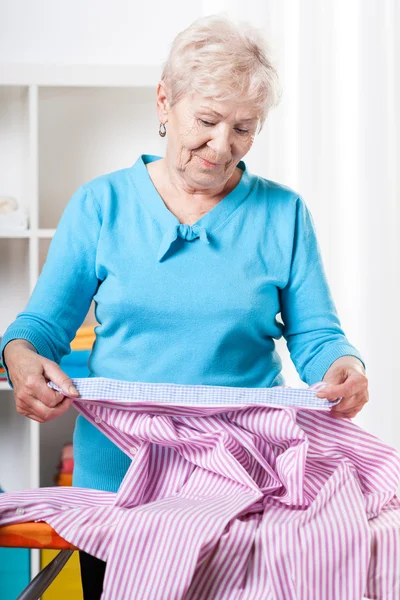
x,y
67,585
82,344
84,338
86,329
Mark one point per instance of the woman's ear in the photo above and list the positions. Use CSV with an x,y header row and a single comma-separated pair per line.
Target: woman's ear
x,y
162,102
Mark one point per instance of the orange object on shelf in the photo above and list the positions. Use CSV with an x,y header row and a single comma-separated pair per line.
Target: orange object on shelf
x,y
64,479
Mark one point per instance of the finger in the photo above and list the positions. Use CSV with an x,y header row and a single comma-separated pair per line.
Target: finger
x,y
347,404
350,411
24,405
342,416
354,384
34,418
44,413
358,400
349,414
52,401
53,373
344,413
39,412
62,407
36,388
26,412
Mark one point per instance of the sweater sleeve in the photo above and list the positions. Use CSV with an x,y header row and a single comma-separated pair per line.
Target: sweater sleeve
x,y
64,290
311,328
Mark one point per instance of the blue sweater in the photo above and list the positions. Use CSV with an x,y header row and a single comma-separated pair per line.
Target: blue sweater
x,y
181,304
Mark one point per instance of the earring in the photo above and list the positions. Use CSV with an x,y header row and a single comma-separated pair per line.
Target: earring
x,y
162,131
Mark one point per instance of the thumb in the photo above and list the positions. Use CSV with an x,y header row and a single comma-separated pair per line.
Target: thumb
x,y
53,373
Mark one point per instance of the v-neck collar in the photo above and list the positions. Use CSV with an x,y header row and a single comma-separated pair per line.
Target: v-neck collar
x,y
170,224
213,219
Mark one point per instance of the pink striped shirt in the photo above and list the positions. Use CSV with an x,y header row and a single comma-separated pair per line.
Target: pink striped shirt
x,y
233,493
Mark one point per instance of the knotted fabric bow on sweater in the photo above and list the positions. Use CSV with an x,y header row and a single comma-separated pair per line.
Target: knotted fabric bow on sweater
x,y
232,493
185,232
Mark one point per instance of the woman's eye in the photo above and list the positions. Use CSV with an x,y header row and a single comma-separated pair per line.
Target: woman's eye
x,y
210,124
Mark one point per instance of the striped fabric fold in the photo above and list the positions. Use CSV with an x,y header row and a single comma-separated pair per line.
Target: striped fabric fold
x,y
232,493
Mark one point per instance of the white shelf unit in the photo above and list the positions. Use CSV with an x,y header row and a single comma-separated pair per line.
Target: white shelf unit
x,y
60,126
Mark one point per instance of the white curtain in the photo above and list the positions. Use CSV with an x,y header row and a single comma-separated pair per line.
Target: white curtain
x,y
335,139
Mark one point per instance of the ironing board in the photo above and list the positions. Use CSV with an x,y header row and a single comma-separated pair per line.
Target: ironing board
x,y
37,535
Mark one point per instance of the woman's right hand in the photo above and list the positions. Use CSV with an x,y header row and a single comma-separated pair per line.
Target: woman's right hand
x,y
29,373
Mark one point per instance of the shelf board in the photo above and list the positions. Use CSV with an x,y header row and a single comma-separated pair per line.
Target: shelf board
x,y
46,233
80,75
25,233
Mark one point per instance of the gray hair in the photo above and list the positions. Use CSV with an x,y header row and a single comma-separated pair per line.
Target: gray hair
x,y
219,59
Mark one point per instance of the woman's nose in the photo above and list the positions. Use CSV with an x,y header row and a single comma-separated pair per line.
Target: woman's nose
x,y
221,143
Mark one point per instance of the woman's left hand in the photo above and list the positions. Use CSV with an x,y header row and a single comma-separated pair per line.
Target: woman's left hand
x,y
346,379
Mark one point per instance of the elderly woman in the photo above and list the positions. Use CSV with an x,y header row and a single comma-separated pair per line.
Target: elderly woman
x,y
190,258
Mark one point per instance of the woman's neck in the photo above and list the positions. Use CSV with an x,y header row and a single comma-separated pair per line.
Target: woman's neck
x,y
190,201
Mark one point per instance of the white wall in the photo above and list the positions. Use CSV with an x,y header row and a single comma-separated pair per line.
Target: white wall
x,y
89,31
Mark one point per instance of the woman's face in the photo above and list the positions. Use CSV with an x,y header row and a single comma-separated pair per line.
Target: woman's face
x,y
207,138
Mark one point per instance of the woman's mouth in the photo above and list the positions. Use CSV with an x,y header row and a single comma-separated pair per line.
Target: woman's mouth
x,y
207,163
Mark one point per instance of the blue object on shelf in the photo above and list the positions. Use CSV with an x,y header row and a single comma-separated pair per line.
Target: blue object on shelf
x,y
14,572
75,364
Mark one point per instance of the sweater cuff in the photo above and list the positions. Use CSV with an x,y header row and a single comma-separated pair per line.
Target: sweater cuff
x,y
30,336
316,370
